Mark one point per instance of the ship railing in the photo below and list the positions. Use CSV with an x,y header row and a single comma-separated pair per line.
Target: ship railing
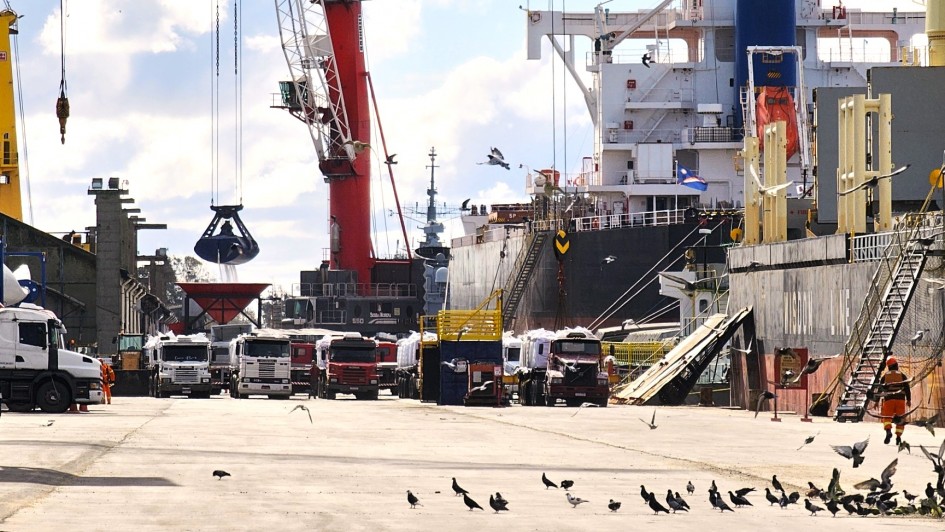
x,y
714,134
872,247
331,317
354,289
641,135
634,219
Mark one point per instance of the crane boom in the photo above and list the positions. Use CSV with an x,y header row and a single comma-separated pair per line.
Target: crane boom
x,y
11,202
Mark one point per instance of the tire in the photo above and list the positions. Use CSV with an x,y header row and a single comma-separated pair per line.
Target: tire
x,y
603,403
331,395
21,407
53,397
550,401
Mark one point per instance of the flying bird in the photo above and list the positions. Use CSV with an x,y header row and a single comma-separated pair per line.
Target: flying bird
x,y
652,422
688,286
219,473
813,364
608,259
885,482
646,60
917,337
303,407
465,205
936,459
771,191
575,501
811,507
566,484
482,387
458,490
496,158
762,397
927,423
413,500
584,405
451,364
613,505
471,504
357,145
897,419
497,505
872,182
854,453
548,483
808,440
390,159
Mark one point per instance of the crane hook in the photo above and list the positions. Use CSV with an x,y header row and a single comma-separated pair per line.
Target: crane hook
x,y
62,112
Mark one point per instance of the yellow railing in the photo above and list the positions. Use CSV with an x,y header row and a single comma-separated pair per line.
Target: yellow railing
x,y
457,325
637,354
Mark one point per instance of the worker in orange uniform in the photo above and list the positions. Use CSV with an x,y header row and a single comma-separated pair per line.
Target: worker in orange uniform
x,y
898,397
108,379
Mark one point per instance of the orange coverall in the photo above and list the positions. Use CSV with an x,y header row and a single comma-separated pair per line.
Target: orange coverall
x,y
895,402
108,378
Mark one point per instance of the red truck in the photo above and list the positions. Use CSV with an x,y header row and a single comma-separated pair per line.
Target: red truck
x,y
302,354
347,364
387,366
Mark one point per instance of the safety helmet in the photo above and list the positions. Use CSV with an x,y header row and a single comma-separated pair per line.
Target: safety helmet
x,y
891,361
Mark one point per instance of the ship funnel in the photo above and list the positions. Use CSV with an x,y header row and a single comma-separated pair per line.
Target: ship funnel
x,y
935,30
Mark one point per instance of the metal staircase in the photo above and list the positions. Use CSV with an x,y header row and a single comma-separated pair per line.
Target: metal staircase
x,y
892,304
521,274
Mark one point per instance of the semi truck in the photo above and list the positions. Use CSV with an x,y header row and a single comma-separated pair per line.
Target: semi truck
x,y
260,365
37,370
566,365
220,338
387,365
303,355
347,363
178,365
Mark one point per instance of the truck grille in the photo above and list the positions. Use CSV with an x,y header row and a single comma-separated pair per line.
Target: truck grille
x,y
267,369
187,376
354,375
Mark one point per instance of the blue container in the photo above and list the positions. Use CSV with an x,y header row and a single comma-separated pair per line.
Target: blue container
x,y
764,23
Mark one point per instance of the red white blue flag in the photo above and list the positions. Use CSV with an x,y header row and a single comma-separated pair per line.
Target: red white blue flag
x,y
686,177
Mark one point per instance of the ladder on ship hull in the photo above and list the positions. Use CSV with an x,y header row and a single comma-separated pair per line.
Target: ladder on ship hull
x,y
521,275
882,332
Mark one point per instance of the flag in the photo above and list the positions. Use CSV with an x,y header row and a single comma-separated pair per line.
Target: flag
x,y
686,177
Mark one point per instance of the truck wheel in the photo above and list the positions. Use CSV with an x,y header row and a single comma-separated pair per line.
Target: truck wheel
x,y
550,401
21,407
53,397
372,396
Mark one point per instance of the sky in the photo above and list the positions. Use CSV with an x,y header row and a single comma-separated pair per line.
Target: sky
x,y
449,74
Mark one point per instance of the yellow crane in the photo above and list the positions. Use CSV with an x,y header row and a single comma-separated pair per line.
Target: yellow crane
x,y
11,203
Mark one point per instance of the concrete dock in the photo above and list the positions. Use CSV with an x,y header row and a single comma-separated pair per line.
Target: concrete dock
x,y
146,464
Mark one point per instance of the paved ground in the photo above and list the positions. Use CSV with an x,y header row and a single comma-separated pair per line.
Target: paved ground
x,y
145,464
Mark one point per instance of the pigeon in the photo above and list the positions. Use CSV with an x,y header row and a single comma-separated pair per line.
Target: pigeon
x,y
854,453
744,491
885,482
713,487
613,505
814,491
872,182
738,500
714,498
566,484
682,502
833,507
811,507
771,498
575,501
903,444
413,500
690,489
783,501
655,505
471,504
645,494
672,502
646,60
390,159
482,387
458,490
762,397
917,337
652,423
936,459
927,423
776,483
499,499
809,439
303,407
548,483
357,145
497,505
219,473
496,158
720,504
794,497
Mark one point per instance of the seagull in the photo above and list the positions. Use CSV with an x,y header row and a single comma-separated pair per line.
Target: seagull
x,y
854,453
413,500
451,364
584,405
482,387
690,489
219,473
746,351
687,286
357,145
458,490
465,205
917,337
762,397
809,439
652,423
871,182
575,501
471,504
646,60
390,159
548,483
608,259
496,158
307,411
771,191
613,505
813,364
497,505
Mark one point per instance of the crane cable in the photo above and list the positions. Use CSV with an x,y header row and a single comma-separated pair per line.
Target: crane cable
x,y
215,106
62,104
238,103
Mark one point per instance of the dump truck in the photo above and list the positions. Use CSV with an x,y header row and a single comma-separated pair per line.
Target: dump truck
x,y
220,337
566,365
178,365
347,363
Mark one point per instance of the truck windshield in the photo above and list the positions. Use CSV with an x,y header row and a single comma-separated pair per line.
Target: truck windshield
x,y
185,353
266,348
513,354
221,354
576,347
350,354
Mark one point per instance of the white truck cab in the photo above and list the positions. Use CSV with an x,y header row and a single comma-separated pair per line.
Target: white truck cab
x,y
179,365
